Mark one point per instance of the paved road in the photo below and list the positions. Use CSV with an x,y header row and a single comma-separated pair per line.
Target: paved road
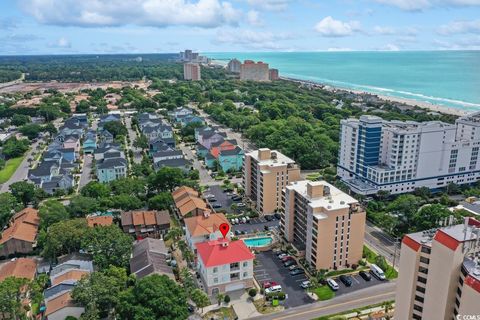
x,y
85,177
350,301
382,243
132,134
22,170
205,178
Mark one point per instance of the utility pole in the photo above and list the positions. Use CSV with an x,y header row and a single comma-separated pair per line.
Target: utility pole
x,y
395,252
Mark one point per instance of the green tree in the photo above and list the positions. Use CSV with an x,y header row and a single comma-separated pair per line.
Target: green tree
x,y
141,142
8,206
125,202
80,206
49,112
220,297
50,128
153,297
166,179
200,298
108,245
95,190
23,191
62,238
429,216
99,292
11,297
116,128
50,212
129,186
14,147
30,130
161,201
20,119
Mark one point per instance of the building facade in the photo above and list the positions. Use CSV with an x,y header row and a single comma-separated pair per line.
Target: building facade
x,y
439,273
254,71
234,66
191,71
324,222
400,156
268,170
273,74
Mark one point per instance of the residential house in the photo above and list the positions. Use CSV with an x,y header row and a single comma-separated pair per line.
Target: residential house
x,y
222,145
167,155
62,306
231,160
90,143
21,236
188,119
161,145
100,152
104,136
225,266
99,220
188,204
108,118
204,227
150,257
25,268
209,138
180,112
158,132
182,164
146,223
201,151
72,141
110,169
201,131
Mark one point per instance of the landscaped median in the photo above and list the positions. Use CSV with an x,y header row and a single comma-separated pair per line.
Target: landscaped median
x,y
323,292
372,257
10,167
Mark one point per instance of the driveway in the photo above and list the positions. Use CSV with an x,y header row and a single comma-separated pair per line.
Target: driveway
x,y
270,268
358,284
205,178
255,225
85,177
132,134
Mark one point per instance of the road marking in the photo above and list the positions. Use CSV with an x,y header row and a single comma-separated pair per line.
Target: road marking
x,y
334,306
355,278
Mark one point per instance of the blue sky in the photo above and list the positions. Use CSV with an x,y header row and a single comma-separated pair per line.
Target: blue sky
x,y
150,26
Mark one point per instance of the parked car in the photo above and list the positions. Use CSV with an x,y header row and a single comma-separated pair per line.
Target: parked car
x,y
332,284
268,284
366,276
241,205
297,272
277,288
216,206
236,198
232,221
286,258
377,272
347,280
268,218
228,190
292,267
305,284
212,200
236,221
282,255
289,263
277,216
238,232
209,196
279,252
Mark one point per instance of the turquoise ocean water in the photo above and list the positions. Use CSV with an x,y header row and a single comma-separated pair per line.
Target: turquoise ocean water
x,y
448,78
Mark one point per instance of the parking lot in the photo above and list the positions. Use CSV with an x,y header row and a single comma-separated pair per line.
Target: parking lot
x,y
222,198
270,268
256,225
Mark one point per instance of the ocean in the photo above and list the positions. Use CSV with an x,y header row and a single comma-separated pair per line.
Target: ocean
x,y
446,78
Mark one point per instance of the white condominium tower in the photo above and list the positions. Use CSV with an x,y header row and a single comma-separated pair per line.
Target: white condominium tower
x,y
399,157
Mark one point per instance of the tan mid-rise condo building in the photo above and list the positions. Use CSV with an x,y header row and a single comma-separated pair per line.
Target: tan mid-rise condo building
x,y
439,274
265,173
254,71
325,223
192,71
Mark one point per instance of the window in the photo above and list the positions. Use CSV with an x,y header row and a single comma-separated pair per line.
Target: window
x,y
419,299
420,289
215,280
215,270
424,260
245,264
245,274
418,308
426,250
421,279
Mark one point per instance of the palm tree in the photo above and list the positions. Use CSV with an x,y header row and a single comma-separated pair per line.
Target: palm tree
x,y
388,306
220,297
174,234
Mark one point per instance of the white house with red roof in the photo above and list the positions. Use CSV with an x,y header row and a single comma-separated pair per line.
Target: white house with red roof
x,y
225,265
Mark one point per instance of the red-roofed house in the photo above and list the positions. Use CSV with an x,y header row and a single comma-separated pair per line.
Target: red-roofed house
x,y
225,265
21,236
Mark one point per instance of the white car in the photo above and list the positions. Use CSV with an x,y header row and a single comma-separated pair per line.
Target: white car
x,y
283,255
332,284
305,284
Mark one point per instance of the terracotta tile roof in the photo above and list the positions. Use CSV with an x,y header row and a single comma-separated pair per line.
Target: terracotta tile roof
x,y
189,203
19,268
215,253
23,227
201,225
138,218
60,302
93,221
182,191
69,275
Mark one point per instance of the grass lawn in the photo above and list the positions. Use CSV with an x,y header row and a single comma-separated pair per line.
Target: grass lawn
x,y
265,307
222,313
10,168
391,273
369,254
313,176
324,293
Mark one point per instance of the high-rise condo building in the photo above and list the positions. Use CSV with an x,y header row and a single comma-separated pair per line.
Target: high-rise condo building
x,y
234,66
324,222
400,156
191,71
273,74
265,173
254,71
439,274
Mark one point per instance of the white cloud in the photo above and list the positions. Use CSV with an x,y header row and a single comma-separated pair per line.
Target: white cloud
x,y
156,13
335,49
460,27
329,27
253,18
253,39
270,5
416,5
390,47
384,31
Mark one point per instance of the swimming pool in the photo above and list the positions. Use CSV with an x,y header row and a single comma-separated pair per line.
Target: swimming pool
x,y
258,242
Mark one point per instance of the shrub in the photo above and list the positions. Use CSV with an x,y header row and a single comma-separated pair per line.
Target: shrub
x,y
277,295
252,292
226,299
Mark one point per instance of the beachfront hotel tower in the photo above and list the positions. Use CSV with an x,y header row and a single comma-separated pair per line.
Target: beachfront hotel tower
x,y
265,173
439,273
325,223
192,71
400,157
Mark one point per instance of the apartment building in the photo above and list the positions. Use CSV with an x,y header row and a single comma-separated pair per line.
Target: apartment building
x,y
399,157
191,71
439,273
270,171
254,71
225,265
234,66
273,74
324,222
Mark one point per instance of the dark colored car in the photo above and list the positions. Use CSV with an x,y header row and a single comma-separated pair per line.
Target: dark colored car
x,y
277,216
289,263
216,205
236,198
297,272
268,218
365,275
228,190
347,280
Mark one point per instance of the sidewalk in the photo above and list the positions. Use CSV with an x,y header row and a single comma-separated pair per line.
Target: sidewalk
x,y
243,307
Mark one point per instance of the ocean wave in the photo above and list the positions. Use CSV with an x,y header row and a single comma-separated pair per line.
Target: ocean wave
x,y
395,93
